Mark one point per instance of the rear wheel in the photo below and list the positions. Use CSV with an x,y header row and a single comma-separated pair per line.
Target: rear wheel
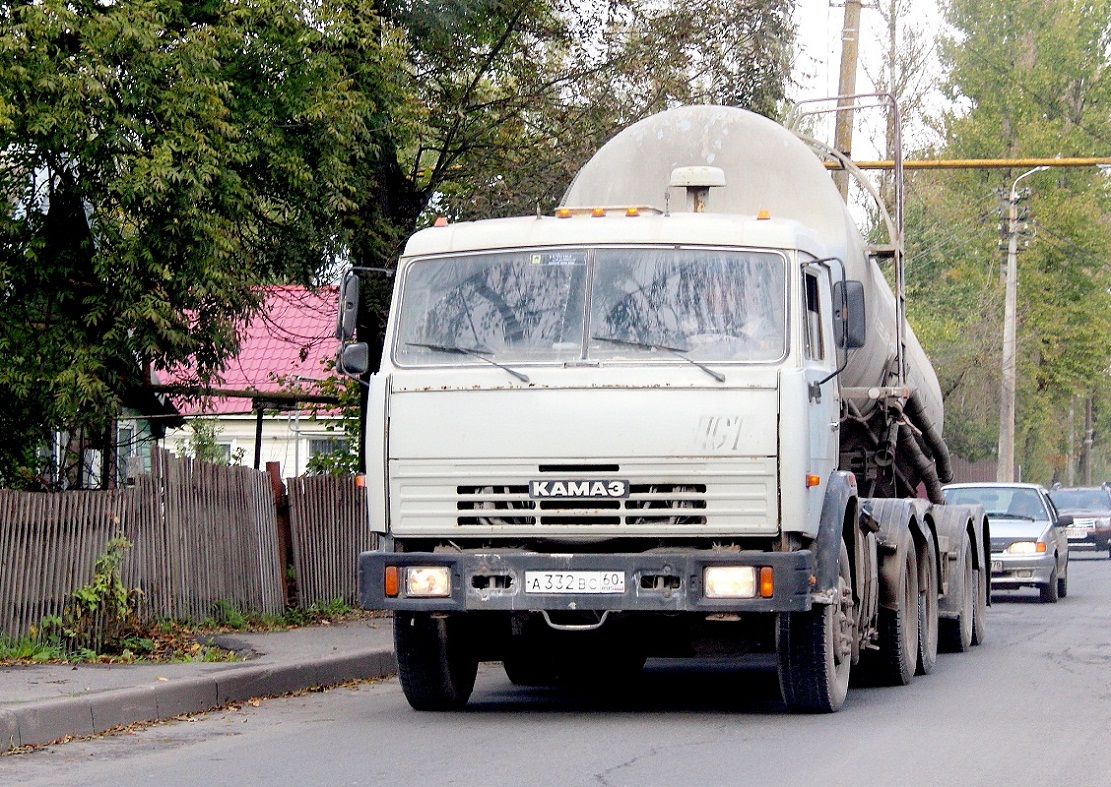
x,y
927,611
897,657
435,662
1049,591
979,616
814,649
956,633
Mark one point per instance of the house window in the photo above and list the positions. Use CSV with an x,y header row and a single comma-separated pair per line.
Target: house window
x,y
326,445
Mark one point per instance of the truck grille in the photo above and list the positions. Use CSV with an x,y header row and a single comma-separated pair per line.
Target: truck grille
x,y
647,504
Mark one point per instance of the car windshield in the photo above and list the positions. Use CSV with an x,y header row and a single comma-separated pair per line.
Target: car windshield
x,y
559,305
1002,502
1081,499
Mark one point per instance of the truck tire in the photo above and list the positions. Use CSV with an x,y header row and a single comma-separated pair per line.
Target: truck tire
x,y
956,633
979,616
927,611
814,650
1048,591
435,663
897,658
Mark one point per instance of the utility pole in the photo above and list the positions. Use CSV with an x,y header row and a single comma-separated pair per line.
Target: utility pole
x,y
846,86
1005,470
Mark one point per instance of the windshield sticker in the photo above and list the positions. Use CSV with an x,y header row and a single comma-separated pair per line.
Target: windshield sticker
x,y
558,258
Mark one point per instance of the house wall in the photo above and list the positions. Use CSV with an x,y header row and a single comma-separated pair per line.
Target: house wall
x,y
289,439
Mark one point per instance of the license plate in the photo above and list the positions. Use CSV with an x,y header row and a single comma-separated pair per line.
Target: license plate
x,y
996,566
1076,533
574,582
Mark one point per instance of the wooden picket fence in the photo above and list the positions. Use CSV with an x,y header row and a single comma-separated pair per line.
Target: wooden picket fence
x,y
201,535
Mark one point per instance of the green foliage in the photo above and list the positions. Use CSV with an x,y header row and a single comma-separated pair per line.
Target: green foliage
x,y
224,613
1028,79
101,617
158,160
344,458
204,445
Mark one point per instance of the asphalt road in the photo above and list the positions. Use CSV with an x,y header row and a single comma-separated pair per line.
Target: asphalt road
x,y
1029,707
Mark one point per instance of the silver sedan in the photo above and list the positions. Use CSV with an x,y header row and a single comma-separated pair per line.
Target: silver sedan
x,y
1028,543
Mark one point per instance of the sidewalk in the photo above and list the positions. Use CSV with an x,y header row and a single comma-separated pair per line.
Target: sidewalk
x,y
43,703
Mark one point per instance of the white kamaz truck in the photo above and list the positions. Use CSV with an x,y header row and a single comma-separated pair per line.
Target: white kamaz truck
x,y
681,416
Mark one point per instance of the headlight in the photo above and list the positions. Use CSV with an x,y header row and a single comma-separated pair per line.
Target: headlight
x,y
428,581
1026,548
729,582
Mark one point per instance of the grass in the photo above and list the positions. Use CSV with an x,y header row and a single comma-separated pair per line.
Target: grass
x,y
172,641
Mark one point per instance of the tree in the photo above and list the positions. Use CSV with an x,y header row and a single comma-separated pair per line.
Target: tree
x,y
1026,79
512,98
159,159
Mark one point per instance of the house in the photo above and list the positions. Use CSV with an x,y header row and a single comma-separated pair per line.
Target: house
x,y
285,351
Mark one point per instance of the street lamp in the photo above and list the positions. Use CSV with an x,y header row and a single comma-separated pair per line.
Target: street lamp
x,y
1005,470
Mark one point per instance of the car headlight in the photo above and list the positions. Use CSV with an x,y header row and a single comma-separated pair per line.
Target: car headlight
x,y
428,581
729,581
1026,548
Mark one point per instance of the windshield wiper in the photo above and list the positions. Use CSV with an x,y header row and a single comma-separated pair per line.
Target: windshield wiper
x,y
473,352
679,351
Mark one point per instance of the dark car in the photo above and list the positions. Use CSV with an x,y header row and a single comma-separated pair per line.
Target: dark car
x,y
1090,508
1028,544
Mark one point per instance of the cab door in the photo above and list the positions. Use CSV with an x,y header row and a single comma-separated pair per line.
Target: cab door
x,y
819,358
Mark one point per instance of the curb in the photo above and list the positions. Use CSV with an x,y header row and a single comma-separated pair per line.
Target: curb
x,y
50,720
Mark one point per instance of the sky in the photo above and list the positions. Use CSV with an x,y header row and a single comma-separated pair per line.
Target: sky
x,y
818,63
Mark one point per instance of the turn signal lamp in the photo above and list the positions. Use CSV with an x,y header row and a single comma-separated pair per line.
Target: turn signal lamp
x,y
767,582
1026,548
813,480
427,581
729,581
391,583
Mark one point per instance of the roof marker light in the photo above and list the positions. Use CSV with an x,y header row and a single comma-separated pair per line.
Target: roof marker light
x,y
632,211
763,214
598,212
441,221
563,213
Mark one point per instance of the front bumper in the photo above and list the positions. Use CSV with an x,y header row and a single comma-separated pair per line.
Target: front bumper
x,y
1017,571
654,581
1088,538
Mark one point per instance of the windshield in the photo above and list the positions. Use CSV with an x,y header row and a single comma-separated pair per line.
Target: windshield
x,y
1004,502
1081,500
558,305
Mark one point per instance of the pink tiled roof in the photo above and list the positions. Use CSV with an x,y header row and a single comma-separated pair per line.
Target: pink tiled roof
x,y
292,335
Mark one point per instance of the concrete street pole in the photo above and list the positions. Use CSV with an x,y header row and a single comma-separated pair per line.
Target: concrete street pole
x,y
1005,470
846,86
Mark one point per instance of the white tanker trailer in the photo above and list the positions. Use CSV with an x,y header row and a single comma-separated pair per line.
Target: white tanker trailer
x,y
672,419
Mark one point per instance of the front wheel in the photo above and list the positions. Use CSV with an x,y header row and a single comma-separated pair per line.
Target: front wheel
x,y
814,649
1049,592
435,661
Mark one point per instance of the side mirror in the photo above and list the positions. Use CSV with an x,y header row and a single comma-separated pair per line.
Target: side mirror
x,y
849,326
348,311
353,359
1064,520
